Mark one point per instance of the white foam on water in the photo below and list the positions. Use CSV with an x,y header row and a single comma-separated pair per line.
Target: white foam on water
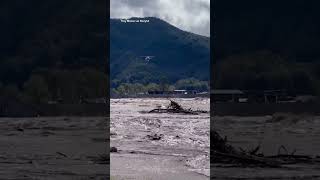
x,y
185,135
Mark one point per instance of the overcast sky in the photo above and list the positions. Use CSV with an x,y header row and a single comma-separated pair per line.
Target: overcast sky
x,y
188,15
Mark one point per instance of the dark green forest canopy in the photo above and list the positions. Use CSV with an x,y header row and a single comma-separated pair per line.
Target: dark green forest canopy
x,y
47,37
289,28
177,54
267,45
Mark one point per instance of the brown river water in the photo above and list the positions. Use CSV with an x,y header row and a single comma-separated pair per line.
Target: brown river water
x,y
181,153
299,134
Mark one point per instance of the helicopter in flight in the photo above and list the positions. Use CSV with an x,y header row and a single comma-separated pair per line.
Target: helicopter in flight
x,y
147,58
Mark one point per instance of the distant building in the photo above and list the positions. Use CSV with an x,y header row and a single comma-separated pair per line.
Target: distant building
x,y
306,99
174,92
227,95
178,91
267,96
247,96
156,92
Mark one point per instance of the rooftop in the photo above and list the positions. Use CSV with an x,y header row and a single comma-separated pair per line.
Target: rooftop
x,y
226,91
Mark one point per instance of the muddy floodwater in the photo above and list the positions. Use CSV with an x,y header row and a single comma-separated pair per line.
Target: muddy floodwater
x,y
298,134
53,148
180,152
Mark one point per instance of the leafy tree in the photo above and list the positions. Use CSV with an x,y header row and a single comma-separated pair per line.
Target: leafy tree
x,y
36,89
192,84
164,84
303,83
93,84
152,87
259,70
124,89
11,91
138,88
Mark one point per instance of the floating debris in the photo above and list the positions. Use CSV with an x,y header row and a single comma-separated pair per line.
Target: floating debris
x,y
113,149
175,107
155,137
223,152
62,154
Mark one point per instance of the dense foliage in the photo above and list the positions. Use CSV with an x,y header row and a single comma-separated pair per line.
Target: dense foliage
x,y
267,45
46,40
138,88
177,54
267,71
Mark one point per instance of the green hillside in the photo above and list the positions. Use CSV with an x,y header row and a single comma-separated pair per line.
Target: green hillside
x,y
49,46
177,54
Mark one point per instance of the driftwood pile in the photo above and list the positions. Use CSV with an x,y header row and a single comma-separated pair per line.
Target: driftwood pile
x,y
174,107
223,153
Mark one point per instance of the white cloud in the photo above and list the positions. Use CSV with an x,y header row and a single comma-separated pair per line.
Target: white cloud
x,y
188,15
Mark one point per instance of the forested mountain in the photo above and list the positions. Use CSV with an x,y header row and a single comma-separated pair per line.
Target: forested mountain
x,y
43,42
267,45
177,54
288,27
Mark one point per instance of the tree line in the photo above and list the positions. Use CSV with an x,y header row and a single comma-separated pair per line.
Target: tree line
x,y
265,70
67,86
136,88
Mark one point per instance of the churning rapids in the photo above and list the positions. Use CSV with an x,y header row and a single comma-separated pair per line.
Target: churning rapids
x,y
183,136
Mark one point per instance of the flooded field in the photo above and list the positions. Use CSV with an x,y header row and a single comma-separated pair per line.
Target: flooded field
x,y
159,146
277,134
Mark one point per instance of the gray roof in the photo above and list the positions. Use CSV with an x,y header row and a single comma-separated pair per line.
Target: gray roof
x,y
226,91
